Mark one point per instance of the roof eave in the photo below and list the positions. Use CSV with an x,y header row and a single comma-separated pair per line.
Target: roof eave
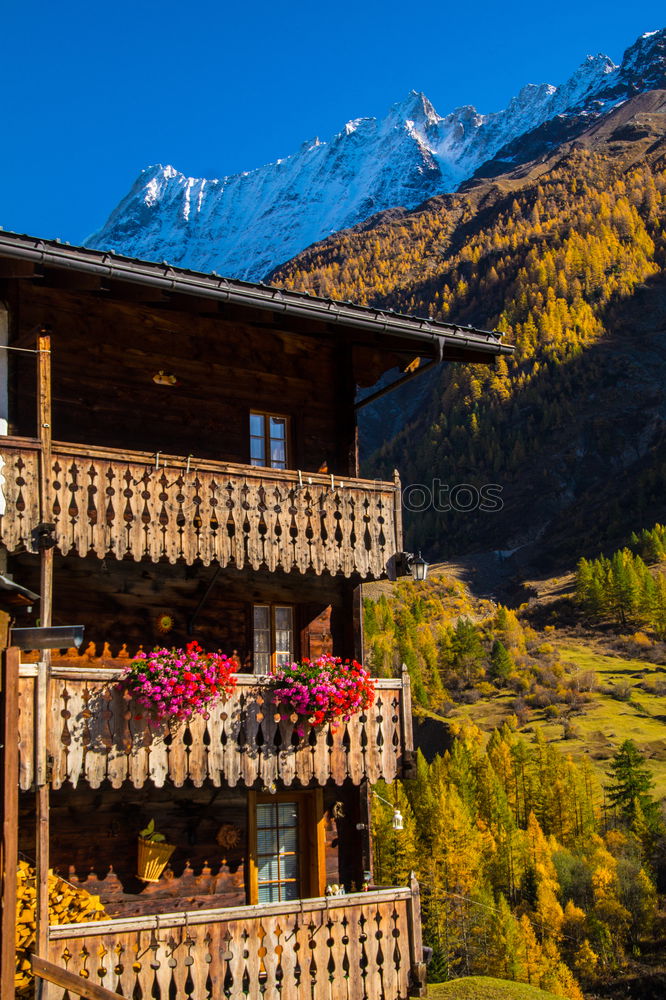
x,y
447,341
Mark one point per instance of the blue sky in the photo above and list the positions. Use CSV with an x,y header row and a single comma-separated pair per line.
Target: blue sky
x,y
94,92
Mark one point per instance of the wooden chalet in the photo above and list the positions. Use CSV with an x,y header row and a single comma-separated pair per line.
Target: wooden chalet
x,y
179,461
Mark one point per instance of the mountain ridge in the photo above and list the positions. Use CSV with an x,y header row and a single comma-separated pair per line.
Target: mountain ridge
x,y
246,224
567,255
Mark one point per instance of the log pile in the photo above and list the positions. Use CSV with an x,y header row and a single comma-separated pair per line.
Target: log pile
x,y
67,905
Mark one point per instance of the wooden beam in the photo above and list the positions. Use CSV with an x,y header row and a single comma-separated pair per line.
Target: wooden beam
x,y
17,268
41,688
9,845
133,292
73,281
70,981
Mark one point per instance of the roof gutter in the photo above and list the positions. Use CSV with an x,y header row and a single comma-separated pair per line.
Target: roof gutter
x,y
221,289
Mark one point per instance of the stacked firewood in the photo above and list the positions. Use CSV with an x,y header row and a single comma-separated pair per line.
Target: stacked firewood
x,y
67,905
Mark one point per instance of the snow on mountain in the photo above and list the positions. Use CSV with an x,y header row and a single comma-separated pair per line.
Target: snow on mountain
x,y
246,224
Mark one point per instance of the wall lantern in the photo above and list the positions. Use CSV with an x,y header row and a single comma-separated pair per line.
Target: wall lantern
x,y
419,567
406,564
58,637
397,821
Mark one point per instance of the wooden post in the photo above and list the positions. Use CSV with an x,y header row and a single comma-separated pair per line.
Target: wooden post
x,y
397,511
406,725
417,986
41,687
9,846
365,812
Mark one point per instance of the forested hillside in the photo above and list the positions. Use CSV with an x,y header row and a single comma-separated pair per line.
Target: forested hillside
x,y
566,256
535,822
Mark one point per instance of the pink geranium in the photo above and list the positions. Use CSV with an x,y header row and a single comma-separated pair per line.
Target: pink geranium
x,y
326,689
178,683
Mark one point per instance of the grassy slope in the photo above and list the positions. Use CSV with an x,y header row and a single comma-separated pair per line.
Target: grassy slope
x,y
484,988
604,722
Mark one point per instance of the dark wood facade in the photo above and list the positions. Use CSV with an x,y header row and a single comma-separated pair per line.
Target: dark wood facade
x,y
141,469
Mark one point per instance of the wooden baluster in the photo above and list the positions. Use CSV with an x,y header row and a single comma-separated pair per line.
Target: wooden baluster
x,y
392,751
156,741
253,501
232,757
288,754
268,755
158,956
249,765
124,760
355,762
172,539
213,764
373,756
135,533
398,961
90,730
186,500
320,527
74,704
304,753
300,520
216,545
198,751
321,760
136,737
150,510
236,515
337,755
367,542
177,753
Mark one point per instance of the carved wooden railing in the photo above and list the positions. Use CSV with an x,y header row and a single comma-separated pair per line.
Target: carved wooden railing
x,y
95,734
365,946
104,501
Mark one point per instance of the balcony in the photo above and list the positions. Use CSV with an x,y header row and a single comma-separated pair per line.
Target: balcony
x,y
93,736
103,501
360,945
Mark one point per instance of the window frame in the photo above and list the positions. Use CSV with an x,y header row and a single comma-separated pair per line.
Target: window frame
x,y
273,651
311,841
267,415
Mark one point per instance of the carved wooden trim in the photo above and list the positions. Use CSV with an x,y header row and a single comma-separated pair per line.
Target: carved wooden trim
x,y
97,735
310,949
106,502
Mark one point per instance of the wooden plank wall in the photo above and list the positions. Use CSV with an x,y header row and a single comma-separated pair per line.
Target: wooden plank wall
x,y
120,601
201,873
106,352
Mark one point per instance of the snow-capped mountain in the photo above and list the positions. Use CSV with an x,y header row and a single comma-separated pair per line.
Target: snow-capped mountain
x,y
245,224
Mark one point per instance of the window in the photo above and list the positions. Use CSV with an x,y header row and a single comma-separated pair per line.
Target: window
x,y
278,851
268,440
273,636
286,845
